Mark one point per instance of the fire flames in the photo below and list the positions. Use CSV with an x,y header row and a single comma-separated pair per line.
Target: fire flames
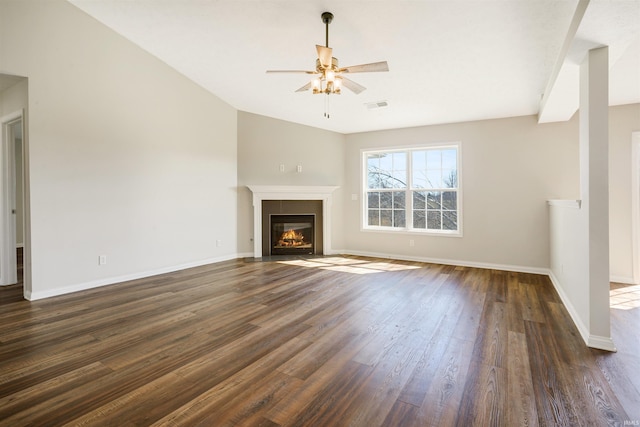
x,y
291,238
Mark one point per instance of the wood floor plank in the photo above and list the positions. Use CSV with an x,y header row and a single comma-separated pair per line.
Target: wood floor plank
x,y
340,340
484,401
491,342
206,404
441,404
553,402
522,409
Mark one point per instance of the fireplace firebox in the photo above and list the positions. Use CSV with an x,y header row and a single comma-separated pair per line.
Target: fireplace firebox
x,y
292,234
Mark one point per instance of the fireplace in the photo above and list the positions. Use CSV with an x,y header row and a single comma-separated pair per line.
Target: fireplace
x,y
292,234
291,200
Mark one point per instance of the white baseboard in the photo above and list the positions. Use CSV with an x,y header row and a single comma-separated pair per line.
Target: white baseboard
x,y
461,263
32,296
245,255
601,343
622,279
594,341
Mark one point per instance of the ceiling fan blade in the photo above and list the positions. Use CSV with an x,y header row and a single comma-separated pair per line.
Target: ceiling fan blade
x,y
324,55
292,71
352,86
366,68
305,87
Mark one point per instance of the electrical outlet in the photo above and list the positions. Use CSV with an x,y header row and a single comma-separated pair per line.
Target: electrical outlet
x,y
102,260
354,196
299,168
218,243
412,243
282,167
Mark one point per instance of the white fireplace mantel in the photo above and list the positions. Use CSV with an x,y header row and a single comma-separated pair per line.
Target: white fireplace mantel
x,y
291,192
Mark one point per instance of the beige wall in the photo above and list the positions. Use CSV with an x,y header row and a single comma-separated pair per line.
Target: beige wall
x,y
510,167
623,121
128,158
264,144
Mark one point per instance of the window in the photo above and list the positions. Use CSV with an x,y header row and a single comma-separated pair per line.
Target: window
x,y
413,189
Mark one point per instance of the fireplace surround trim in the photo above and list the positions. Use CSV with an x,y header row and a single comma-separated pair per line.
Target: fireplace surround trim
x,y
291,192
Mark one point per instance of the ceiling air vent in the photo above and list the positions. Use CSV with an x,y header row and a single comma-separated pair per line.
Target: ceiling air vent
x,y
374,105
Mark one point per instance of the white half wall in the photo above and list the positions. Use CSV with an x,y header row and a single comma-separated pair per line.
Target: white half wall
x,y
128,158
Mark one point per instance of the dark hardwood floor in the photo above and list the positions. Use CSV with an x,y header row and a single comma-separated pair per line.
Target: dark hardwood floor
x,y
20,265
330,341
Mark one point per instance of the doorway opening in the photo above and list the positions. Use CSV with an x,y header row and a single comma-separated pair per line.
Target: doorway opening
x,y
12,212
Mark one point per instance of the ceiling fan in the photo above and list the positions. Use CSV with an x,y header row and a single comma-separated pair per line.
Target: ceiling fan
x,y
330,76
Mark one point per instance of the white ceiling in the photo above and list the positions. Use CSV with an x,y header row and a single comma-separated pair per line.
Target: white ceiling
x,y
449,60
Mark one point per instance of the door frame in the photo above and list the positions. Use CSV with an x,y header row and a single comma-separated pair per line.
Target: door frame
x,y
8,262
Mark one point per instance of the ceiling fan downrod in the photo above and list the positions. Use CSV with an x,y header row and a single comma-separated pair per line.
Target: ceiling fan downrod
x,y
327,17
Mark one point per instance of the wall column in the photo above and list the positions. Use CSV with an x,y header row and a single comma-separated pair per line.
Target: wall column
x,y
594,187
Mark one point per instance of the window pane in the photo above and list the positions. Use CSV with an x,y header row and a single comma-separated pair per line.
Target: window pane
x,y
433,200
386,161
449,159
399,179
419,160
373,217
385,200
433,220
419,179
398,200
400,160
378,178
387,170
449,200
449,178
386,217
374,179
419,219
434,178
434,158
373,200
449,220
419,200
398,218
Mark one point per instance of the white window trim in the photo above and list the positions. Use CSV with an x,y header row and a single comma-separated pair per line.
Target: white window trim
x,y
407,230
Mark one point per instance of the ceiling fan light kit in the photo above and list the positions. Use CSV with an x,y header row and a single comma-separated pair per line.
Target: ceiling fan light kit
x,y
330,79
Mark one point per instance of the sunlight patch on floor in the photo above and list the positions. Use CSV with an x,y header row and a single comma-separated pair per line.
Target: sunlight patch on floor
x,y
346,265
625,298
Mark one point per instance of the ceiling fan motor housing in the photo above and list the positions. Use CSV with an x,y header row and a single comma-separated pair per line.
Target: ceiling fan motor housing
x,y
334,65
327,17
